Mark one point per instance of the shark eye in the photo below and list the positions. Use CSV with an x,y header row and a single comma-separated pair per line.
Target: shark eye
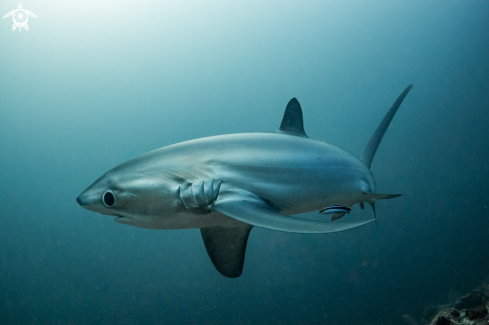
x,y
108,198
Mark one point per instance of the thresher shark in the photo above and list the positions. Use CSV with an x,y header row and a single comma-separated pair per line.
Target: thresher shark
x,y
225,185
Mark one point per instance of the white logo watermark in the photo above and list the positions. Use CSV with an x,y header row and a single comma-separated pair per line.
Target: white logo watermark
x,y
20,17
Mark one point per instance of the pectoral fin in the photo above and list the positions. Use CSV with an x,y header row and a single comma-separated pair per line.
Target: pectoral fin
x,y
226,247
257,213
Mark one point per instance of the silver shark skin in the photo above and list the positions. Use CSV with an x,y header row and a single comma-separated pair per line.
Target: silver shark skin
x,y
295,174
227,184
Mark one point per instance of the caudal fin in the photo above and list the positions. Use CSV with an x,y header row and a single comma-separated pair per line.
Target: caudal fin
x,y
372,197
369,152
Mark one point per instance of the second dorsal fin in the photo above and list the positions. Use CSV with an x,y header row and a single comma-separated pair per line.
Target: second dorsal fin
x,y
292,122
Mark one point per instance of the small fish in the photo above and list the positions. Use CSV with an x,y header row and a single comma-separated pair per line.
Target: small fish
x,y
335,209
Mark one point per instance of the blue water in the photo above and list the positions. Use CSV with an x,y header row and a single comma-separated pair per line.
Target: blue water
x,y
93,84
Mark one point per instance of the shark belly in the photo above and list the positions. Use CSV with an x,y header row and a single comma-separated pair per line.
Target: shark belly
x,y
295,189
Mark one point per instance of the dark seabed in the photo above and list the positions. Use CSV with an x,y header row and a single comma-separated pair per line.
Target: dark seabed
x,y
93,84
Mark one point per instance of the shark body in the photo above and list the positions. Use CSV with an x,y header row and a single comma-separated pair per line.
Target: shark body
x,y
227,184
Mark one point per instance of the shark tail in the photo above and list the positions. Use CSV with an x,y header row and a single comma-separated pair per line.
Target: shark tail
x,y
372,197
373,145
369,152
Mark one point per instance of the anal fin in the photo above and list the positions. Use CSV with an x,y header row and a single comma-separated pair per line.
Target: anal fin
x,y
226,247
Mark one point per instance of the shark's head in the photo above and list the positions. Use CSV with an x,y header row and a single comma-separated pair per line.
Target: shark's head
x,y
130,196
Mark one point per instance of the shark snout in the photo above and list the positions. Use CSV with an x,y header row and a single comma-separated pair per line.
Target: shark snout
x,y
82,200
85,200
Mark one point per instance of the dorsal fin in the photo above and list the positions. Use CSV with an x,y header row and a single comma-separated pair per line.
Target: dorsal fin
x,y
371,148
292,122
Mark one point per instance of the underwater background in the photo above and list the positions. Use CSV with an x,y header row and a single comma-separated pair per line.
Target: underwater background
x,y
93,84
